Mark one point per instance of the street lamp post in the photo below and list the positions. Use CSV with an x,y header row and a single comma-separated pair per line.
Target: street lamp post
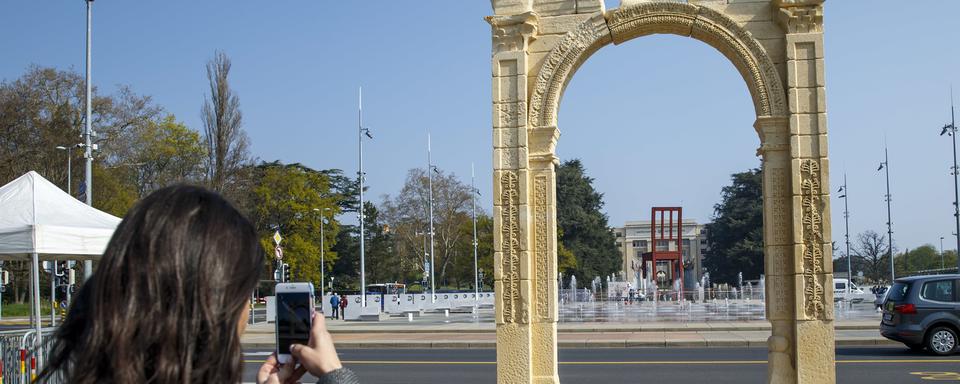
x,y
361,131
476,271
430,171
846,220
885,165
941,253
951,129
322,250
88,131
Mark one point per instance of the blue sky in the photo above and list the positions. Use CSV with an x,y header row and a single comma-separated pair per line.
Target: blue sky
x,y
660,120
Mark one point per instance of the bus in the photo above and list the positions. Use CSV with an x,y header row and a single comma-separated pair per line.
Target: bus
x,y
387,289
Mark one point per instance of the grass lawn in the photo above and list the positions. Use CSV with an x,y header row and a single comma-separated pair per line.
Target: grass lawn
x,y
23,309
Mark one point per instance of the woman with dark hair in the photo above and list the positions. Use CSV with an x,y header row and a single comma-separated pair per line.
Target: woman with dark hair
x,y
168,302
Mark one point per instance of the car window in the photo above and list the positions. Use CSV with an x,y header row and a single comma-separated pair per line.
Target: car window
x,y
838,286
940,290
898,291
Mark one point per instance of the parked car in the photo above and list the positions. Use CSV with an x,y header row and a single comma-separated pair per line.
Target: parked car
x,y
923,312
854,295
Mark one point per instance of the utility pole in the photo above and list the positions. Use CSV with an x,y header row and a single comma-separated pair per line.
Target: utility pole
x,y
846,220
951,129
360,133
433,267
476,276
88,131
885,165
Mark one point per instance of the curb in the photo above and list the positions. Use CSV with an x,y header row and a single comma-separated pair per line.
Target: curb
x,y
577,344
659,329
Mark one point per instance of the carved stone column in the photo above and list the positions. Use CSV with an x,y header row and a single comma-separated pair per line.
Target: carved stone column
x,y
524,211
812,267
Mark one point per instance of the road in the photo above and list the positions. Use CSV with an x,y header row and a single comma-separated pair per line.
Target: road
x,y
867,365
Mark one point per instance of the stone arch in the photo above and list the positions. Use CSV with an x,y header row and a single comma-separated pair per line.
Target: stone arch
x,y
624,24
537,47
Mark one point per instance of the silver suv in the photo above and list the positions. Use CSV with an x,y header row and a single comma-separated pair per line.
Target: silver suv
x,y
923,312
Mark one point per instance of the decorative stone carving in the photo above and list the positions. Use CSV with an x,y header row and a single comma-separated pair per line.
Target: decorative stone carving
x,y
780,209
560,64
513,32
543,261
514,309
641,19
813,291
800,16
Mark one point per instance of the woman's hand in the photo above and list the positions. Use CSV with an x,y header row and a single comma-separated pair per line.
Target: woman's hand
x,y
319,357
272,372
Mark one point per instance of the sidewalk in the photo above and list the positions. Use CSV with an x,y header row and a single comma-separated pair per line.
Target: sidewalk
x,y
582,335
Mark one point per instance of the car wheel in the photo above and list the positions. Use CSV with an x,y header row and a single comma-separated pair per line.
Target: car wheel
x,y
942,341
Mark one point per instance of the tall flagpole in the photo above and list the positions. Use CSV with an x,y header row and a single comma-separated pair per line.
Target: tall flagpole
x,y
476,271
360,133
433,266
886,166
87,148
956,193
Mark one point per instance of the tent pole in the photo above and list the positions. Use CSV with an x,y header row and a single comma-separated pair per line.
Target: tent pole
x,y
36,298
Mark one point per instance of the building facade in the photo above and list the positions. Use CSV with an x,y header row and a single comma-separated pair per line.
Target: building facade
x,y
633,239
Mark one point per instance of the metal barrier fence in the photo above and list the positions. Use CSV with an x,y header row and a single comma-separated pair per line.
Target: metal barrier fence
x,y
20,361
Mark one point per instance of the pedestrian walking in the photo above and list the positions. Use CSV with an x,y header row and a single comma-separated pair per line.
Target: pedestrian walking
x,y
335,305
343,306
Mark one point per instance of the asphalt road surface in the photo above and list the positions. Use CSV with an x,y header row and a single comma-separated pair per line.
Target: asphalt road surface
x,y
868,365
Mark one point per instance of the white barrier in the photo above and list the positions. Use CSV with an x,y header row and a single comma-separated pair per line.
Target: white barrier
x,y
271,308
415,303
355,311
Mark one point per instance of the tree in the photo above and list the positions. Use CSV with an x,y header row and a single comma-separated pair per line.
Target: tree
x,y
167,152
873,251
283,198
222,123
923,258
408,217
584,227
44,109
736,233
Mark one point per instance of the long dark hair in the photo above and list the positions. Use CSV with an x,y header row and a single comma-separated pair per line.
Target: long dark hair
x,y
166,299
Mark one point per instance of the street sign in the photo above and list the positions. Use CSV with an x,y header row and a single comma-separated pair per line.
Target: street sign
x,y
276,237
278,252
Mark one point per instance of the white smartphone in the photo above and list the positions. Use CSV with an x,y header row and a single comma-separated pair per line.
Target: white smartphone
x,y
294,311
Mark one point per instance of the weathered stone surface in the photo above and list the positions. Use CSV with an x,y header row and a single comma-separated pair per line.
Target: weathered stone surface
x,y
778,49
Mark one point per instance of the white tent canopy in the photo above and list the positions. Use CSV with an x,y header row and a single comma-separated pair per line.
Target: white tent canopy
x,y
37,217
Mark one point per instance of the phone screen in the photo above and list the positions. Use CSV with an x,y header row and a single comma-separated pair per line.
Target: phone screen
x,y
293,319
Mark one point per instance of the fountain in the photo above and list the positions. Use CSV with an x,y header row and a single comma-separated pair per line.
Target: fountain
x,y
573,288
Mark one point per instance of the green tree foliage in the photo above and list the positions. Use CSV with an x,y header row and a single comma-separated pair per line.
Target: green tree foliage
x,y
167,152
284,198
736,233
584,228
923,258
380,259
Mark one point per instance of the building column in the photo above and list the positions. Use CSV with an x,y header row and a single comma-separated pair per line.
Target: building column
x,y
799,254
524,215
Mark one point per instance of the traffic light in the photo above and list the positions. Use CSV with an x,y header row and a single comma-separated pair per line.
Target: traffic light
x,y
286,272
